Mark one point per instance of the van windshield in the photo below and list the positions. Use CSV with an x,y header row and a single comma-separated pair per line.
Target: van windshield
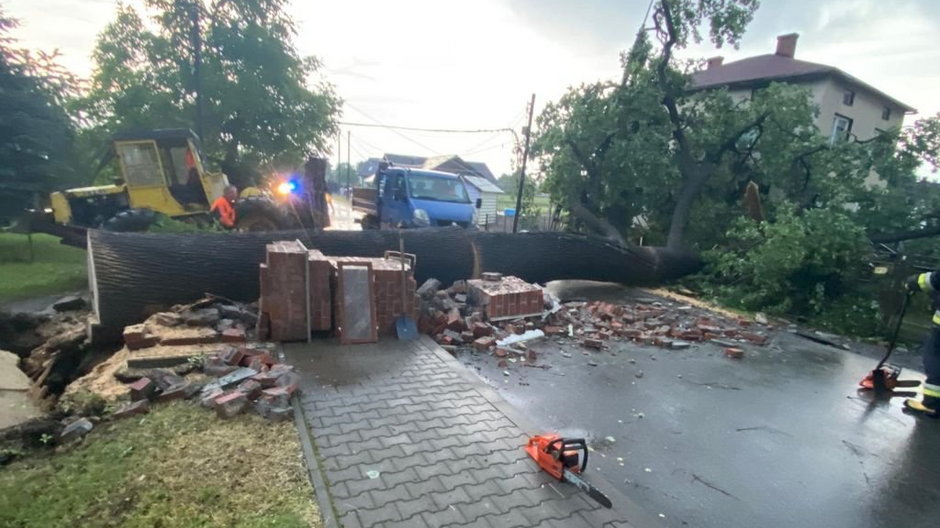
x,y
437,188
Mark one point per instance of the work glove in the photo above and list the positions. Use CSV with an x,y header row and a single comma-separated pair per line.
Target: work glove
x,y
912,283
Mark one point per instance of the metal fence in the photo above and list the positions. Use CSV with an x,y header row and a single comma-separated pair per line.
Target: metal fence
x,y
501,223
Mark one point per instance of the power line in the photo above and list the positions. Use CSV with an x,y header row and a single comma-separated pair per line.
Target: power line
x,y
419,129
418,143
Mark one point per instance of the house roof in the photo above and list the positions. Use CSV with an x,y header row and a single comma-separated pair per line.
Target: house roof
x,y
405,160
754,71
480,168
447,163
483,184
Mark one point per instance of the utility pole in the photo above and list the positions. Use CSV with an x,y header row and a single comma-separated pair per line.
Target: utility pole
x,y
339,154
195,38
525,156
348,168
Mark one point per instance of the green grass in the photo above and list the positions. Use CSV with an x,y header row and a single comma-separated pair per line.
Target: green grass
x,y
53,267
508,201
179,466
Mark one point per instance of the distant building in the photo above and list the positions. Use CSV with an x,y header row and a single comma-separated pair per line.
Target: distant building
x,y
449,163
847,105
488,193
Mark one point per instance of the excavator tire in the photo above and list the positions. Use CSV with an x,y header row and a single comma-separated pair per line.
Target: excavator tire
x,y
257,213
130,221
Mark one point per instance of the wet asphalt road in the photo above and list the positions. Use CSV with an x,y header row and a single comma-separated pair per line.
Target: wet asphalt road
x,y
780,438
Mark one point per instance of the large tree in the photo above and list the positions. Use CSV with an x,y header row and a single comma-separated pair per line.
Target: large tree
x,y
648,149
35,131
262,105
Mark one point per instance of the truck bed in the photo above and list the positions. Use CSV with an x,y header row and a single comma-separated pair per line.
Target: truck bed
x,y
363,200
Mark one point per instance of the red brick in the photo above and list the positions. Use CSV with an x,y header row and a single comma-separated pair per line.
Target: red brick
x,y
501,352
138,336
251,388
484,343
757,339
230,404
553,330
202,339
591,342
176,392
735,353
143,389
233,335
232,356
481,330
132,409
454,321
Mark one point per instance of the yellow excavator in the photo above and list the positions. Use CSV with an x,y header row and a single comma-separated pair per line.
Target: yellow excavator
x,y
161,172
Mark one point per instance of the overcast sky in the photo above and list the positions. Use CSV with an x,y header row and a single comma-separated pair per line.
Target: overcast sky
x,y
474,64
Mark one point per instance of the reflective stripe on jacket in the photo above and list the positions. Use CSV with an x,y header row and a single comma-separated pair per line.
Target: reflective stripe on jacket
x,y
225,210
930,282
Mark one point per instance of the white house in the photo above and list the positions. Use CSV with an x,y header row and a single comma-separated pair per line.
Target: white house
x,y
479,187
847,105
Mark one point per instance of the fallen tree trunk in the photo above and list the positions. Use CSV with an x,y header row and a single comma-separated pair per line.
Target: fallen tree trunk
x,y
135,274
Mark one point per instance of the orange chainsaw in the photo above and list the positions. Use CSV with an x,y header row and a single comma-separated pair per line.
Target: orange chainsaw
x,y
564,459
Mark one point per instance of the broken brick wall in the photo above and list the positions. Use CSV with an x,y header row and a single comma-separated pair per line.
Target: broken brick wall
x,y
387,289
283,283
509,297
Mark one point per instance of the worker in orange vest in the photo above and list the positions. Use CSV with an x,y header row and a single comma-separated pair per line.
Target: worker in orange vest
x,y
223,207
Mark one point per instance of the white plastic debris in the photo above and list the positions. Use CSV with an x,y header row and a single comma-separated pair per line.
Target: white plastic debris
x,y
520,338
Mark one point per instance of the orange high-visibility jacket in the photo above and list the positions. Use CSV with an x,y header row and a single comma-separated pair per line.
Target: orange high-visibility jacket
x,y
225,210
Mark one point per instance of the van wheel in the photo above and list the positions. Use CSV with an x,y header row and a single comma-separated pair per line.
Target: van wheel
x,y
369,222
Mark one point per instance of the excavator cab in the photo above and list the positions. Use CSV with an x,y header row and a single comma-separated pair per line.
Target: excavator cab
x,y
160,171
163,171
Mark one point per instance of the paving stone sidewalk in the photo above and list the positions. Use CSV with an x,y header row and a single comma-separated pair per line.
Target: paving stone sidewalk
x,y
405,436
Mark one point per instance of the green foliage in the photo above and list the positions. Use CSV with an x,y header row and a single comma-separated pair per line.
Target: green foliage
x,y
796,264
259,112
35,131
660,162
165,224
83,403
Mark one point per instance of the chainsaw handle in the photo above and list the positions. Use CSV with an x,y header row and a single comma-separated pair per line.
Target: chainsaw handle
x,y
558,446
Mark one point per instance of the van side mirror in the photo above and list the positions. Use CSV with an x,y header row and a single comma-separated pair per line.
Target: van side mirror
x,y
400,195
479,203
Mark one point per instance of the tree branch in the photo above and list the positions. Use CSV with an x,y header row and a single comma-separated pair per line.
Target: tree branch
x,y
669,99
732,140
596,223
898,236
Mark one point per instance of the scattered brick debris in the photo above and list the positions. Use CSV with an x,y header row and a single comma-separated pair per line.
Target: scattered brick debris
x,y
132,409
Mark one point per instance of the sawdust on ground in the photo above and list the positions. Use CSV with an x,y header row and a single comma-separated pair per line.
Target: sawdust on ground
x,y
101,380
698,303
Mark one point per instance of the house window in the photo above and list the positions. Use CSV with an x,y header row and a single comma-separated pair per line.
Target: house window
x,y
841,126
886,113
848,98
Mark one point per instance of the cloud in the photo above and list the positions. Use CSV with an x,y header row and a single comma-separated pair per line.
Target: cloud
x,y
474,64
